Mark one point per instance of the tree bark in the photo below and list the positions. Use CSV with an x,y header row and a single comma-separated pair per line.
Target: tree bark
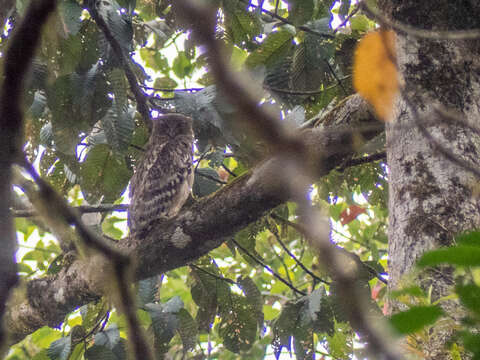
x,y
431,197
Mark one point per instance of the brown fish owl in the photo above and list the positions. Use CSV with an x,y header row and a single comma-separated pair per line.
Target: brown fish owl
x,y
163,179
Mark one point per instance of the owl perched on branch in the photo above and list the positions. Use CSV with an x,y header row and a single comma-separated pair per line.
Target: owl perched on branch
x,y
163,179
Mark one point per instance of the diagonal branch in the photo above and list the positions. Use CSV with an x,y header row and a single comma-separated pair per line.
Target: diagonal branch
x,y
16,64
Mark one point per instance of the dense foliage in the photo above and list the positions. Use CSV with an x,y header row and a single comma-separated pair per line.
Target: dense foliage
x,y
263,292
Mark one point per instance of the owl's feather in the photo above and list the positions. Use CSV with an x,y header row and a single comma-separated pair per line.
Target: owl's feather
x,y
163,180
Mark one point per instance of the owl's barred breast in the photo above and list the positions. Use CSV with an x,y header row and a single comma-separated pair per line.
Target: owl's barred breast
x,y
163,180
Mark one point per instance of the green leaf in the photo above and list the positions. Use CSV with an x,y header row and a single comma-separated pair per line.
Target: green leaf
x,y
458,255
147,289
118,126
339,345
42,355
109,228
118,82
472,343
247,239
154,60
46,134
38,105
70,12
272,50
254,297
300,11
187,330
77,102
203,184
55,265
92,313
469,296
469,239
44,336
104,175
108,337
283,327
416,318
164,325
99,352
120,25
359,23
309,68
60,349
78,352
415,291
173,305
165,321
208,292
164,83
314,302
238,326
241,24
24,268
182,67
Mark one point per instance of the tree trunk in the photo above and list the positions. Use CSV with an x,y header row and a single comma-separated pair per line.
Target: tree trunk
x,y
431,196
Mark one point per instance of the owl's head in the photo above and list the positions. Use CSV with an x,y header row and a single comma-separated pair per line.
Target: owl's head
x,y
172,125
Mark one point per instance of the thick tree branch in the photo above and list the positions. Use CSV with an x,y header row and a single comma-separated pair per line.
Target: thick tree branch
x,y
197,230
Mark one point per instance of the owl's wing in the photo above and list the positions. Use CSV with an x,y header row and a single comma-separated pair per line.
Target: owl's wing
x,y
162,185
140,180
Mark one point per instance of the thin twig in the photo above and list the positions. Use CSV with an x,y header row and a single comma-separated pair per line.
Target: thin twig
x,y
301,230
281,260
337,79
382,155
82,209
347,19
171,90
209,177
269,269
292,255
225,167
303,92
230,281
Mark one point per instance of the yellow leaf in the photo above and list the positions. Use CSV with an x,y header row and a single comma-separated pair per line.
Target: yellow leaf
x,y
374,71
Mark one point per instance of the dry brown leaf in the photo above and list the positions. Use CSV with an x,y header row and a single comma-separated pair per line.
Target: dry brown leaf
x,y
374,71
